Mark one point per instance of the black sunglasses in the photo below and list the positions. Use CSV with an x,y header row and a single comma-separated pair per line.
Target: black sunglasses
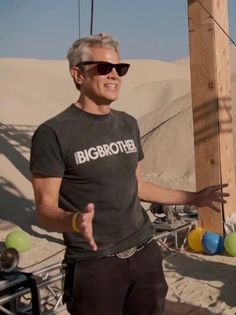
x,y
104,67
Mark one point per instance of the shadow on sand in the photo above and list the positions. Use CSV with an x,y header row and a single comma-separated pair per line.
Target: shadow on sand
x,y
177,308
205,270
15,207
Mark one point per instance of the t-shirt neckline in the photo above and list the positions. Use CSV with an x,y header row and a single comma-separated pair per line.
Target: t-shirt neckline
x,y
82,113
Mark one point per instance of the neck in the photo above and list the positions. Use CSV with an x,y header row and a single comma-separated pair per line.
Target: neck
x,y
92,107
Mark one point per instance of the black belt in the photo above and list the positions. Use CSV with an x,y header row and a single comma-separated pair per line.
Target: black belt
x,y
131,251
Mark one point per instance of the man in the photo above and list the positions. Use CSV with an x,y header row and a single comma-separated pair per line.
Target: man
x,y
88,185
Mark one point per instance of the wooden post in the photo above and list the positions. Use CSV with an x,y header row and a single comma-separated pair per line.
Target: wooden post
x,y
211,103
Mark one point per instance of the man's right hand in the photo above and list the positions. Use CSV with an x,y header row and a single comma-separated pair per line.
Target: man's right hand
x,y
85,226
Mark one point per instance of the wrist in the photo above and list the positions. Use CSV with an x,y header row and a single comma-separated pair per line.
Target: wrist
x,y
196,199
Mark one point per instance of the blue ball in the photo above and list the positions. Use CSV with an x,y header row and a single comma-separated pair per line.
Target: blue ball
x,y
212,243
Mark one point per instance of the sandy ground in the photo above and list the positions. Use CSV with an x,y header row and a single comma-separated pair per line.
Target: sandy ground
x,y
199,284
158,95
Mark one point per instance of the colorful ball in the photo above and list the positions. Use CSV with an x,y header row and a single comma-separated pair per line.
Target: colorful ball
x,y
213,243
195,240
19,240
230,243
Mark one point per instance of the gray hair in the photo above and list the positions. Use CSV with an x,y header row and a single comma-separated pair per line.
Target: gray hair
x,y
80,49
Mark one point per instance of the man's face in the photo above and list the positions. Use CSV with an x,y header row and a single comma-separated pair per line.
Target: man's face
x,y
102,89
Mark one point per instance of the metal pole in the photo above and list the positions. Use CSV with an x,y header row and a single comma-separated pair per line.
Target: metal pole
x,y
91,19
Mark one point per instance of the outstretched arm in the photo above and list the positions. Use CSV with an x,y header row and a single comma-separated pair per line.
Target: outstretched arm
x,y
156,194
53,218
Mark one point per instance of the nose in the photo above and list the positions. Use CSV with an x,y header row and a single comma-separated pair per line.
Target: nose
x,y
113,73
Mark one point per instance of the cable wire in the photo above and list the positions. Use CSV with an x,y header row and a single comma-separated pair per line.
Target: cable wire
x,y
212,17
43,260
79,19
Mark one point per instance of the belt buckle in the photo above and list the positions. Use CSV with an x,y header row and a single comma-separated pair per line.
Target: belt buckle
x,y
127,253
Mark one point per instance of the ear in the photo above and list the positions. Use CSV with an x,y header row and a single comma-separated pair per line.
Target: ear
x,y
77,75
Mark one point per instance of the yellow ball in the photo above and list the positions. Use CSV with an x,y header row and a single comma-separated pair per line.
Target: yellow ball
x,y
195,240
19,240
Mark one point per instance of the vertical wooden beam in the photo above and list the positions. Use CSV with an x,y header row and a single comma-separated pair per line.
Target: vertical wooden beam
x,y
211,101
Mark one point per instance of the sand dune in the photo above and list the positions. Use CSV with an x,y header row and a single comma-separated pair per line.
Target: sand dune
x,y
158,95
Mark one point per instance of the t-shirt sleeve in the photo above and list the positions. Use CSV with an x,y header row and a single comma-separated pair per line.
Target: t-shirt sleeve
x,y
46,157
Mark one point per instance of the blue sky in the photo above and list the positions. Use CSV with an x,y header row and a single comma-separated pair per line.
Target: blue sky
x,y
44,29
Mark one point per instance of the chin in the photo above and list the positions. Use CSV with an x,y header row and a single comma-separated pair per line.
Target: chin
x,y
106,100
112,97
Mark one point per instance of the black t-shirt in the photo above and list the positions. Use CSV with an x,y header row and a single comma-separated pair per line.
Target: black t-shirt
x,y
96,156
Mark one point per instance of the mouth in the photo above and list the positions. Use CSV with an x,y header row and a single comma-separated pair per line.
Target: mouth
x,y
112,86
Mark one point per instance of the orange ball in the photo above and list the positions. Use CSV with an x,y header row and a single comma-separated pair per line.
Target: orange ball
x,y
195,240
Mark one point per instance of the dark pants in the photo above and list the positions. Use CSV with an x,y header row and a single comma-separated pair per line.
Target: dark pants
x,y
115,286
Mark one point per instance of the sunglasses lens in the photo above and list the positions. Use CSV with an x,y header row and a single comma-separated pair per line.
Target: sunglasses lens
x,y
104,68
122,69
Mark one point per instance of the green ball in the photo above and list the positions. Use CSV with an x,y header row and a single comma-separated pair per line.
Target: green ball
x,y
230,243
19,240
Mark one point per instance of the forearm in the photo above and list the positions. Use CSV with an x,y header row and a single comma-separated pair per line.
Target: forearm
x,y
156,194
54,219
